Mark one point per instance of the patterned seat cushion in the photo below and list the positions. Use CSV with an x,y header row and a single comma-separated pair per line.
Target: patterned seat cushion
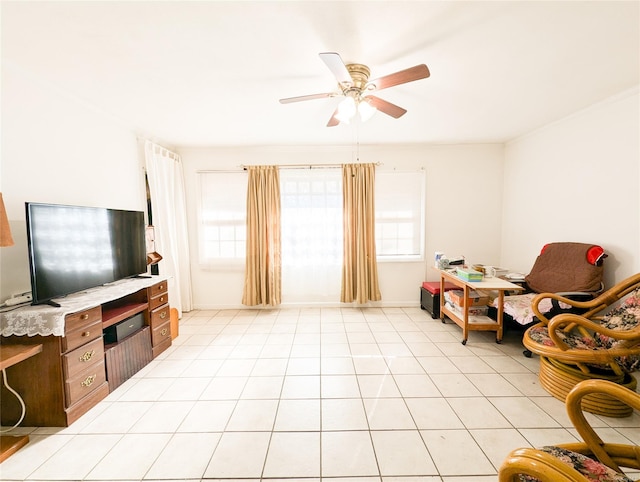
x,y
540,334
574,340
591,469
625,317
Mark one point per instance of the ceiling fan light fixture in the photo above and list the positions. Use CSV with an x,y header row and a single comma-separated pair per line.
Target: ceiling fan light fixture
x,y
354,85
346,110
366,110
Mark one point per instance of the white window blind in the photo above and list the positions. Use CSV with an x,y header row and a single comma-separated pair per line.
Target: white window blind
x,y
311,220
399,215
222,217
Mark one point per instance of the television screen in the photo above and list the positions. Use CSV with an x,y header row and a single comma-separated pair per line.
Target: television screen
x,y
73,248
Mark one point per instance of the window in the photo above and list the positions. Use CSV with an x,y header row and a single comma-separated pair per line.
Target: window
x,y
399,215
311,206
222,217
311,210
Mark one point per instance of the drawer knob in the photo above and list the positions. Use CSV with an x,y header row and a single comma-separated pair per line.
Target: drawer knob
x,y
86,333
84,317
88,381
161,287
162,299
163,315
164,332
87,356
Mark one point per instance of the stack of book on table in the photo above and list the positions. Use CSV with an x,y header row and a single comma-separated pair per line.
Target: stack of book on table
x,y
469,274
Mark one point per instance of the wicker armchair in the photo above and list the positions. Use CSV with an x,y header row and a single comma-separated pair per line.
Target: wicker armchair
x,y
589,460
591,345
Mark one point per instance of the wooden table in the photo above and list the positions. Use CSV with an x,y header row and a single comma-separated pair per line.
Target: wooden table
x,y
9,356
477,323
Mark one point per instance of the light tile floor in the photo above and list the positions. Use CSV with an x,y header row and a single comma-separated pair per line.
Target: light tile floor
x,y
366,395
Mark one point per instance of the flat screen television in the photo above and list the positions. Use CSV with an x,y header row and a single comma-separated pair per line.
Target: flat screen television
x,y
74,248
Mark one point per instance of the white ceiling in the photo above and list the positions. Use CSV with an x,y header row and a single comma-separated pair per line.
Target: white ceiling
x,y
207,73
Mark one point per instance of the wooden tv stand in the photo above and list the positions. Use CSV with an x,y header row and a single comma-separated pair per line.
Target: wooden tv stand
x,y
76,369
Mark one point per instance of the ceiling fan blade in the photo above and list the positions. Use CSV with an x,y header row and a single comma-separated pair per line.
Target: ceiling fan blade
x,y
386,107
337,67
333,121
402,77
300,98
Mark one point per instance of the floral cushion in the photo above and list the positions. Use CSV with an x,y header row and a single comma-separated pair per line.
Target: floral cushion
x,y
540,334
591,469
625,317
519,307
575,340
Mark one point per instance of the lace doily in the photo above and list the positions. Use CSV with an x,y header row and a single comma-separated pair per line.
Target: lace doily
x,y
48,320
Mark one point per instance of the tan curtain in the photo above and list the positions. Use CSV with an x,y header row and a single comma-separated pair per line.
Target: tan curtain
x,y
262,283
360,268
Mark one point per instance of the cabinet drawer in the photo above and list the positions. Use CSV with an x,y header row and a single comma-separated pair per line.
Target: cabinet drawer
x,y
159,316
84,382
160,300
82,358
157,349
157,289
86,333
77,321
160,333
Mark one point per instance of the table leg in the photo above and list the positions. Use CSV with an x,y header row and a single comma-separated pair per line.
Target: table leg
x,y
441,300
465,314
499,316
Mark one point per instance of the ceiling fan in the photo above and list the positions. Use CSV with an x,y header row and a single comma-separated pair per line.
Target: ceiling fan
x,y
356,88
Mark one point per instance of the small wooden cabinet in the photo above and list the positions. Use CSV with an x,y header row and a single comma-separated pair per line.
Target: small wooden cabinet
x,y
77,370
66,380
159,317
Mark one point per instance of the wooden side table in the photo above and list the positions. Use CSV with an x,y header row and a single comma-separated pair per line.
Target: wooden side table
x,y
483,323
9,356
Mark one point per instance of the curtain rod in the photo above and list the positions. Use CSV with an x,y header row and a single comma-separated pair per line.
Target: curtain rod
x,y
311,166
163,150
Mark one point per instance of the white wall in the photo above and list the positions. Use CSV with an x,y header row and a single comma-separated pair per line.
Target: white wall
x,y
463,208
577,180
55,149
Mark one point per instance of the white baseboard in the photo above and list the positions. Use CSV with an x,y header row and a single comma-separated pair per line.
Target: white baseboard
x,y
302,305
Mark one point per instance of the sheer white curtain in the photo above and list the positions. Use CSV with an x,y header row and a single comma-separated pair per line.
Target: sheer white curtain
x,y
311,234
166,187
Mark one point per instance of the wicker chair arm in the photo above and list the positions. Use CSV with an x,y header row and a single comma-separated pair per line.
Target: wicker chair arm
x,y
538,464
579,301
556,298
588,434
568,298
587,326
569,321
593,306
546,467
564,320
